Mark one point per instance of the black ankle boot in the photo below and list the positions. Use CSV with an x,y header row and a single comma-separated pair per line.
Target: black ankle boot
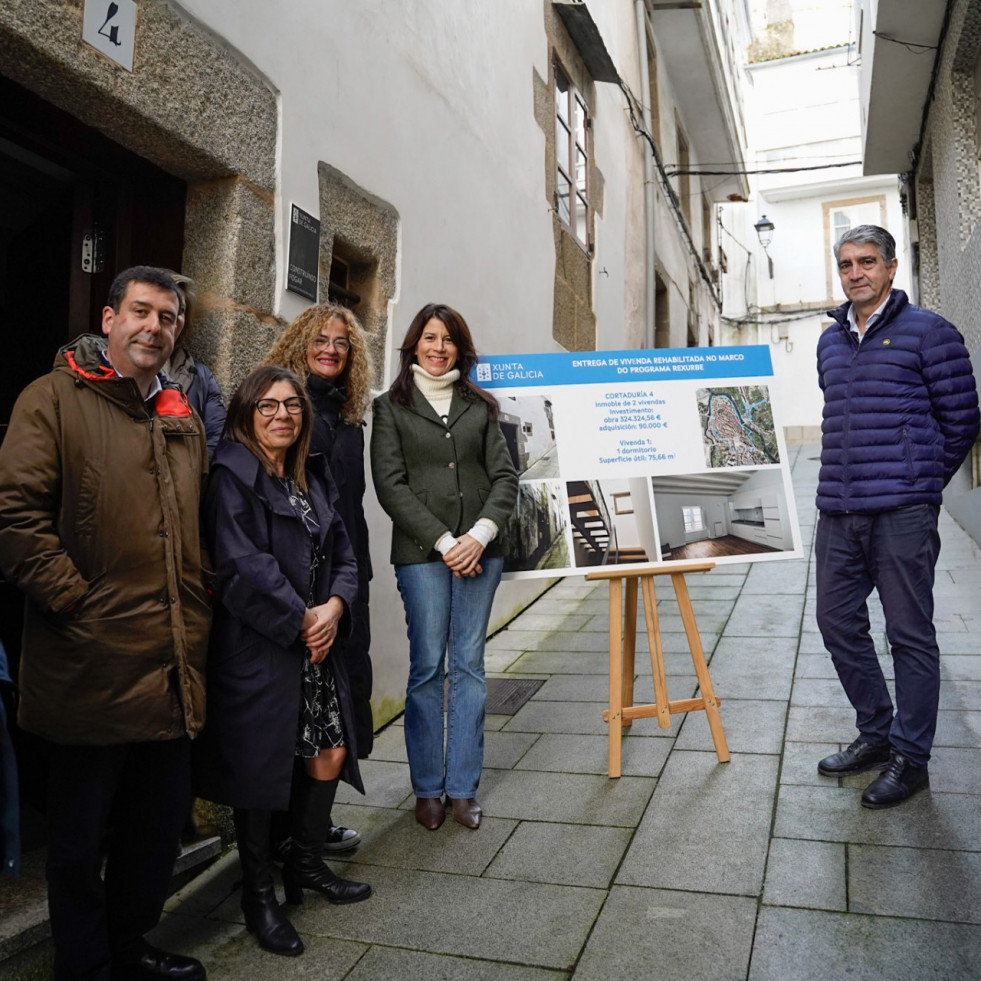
x,y
311,805
263,915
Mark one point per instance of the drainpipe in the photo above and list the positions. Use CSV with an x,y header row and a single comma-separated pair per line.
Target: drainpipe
x,y
650,200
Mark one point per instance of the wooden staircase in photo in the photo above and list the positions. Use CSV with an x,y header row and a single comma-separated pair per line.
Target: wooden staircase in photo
x,y
588,523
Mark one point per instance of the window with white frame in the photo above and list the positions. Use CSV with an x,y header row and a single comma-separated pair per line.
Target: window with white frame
x,y
694,519
571,158
841,216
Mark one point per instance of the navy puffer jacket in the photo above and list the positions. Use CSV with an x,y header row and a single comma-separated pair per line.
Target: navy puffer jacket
x,y
900,409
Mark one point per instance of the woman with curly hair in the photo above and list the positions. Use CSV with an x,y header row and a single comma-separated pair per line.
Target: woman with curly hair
x,y
327,347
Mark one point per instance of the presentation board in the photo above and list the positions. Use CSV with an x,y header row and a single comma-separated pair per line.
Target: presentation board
x,y
644,457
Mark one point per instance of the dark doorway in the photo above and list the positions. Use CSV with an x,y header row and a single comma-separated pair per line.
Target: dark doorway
x,y
75,208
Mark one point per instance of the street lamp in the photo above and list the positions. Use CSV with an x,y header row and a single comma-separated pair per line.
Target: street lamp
x,y
764,231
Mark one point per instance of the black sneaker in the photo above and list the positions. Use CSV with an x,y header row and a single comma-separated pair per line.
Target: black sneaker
x,y
897,782
858,758
341,839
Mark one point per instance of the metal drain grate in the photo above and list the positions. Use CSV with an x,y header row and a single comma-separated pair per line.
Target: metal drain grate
x,y
506,695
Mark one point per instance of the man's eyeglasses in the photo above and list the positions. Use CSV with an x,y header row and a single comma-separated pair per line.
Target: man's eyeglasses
x,y
269,407
339,344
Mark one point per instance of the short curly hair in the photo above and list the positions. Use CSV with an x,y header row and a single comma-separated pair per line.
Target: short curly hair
x,y
294,343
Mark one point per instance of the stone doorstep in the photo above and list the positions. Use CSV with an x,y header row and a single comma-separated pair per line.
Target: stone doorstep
x,y
29,926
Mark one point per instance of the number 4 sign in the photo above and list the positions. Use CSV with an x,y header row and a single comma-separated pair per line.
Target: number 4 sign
x,y
110,27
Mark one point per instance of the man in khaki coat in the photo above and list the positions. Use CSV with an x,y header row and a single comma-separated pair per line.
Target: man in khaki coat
x,y
100,479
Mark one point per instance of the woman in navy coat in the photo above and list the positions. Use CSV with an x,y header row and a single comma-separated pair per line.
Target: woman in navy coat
x,y
286,579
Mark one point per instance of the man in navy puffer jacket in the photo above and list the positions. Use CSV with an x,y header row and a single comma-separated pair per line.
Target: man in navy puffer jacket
x,y
900,416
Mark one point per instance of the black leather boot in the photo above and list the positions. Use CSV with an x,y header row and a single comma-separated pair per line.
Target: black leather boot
x,y
304,868
263,915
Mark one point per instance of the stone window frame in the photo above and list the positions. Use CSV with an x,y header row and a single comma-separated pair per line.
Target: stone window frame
x,y
225,151
572,166
362,230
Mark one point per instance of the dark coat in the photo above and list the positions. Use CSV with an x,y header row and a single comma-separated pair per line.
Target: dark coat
x,y
262,562
432,477
342,444
900,409
202,391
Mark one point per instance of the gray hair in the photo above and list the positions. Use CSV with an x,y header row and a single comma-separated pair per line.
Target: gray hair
x,y
866,235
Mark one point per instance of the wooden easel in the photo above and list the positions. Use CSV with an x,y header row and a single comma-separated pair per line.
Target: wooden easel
x,y
623,642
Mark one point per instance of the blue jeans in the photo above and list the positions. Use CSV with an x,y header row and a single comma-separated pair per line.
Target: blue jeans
x,y
446,615
894,552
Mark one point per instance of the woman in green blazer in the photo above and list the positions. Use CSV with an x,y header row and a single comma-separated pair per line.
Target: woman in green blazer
x,y
444,475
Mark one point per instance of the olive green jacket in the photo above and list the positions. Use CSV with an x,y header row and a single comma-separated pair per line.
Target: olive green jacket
x,y
432,477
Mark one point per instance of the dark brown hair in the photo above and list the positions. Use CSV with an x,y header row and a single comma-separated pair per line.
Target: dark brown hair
x,y
151,275
402,388
240,422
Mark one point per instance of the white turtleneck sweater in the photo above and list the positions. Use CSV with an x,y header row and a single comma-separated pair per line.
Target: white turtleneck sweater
x,y
438,392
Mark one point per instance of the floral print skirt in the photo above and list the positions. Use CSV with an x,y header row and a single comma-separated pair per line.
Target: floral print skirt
x,y
320,725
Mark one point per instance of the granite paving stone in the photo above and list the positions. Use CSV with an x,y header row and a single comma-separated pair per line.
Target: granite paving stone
x,y
964,696
832,813
960,667
772,578
819,692
560,662
399,841
387,963
536,924
564,854
554,752
573,688
766,616
808,945
823,723
816,664
229,952
750,674
669,935
707,825
749,726
915,882
502,750
572,798
387,784
958,728
808,874
531,620
389,745
800,760
572,717
956,770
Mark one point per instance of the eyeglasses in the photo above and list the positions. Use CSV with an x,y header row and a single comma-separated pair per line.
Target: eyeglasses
x,y
269,407
340,345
